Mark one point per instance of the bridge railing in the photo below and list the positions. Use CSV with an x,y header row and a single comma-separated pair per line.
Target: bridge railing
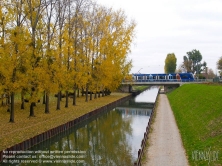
x,y
170,80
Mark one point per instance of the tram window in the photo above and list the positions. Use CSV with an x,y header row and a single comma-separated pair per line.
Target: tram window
x,y
139,77
161,77
185,77
147,77
174,77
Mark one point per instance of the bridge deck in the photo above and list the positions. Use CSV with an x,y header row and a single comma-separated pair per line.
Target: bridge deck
x,y
165,82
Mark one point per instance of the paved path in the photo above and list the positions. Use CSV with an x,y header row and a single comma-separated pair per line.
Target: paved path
x,y
166,147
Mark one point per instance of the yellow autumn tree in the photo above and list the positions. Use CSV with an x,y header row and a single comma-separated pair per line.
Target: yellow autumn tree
x,y
49,65
34,11
114,48
53,46
61,10
15,51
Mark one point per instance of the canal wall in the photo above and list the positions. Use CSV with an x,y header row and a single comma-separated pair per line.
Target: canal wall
x,y
61,128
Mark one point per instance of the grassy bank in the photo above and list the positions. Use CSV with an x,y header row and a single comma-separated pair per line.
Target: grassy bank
x,y
26,127
139,88
198,112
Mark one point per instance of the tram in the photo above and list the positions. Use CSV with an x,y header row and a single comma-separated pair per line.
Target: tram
x,y
183,77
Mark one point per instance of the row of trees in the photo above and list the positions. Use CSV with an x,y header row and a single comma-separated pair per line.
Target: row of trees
x,y
191,63
219,65
49,46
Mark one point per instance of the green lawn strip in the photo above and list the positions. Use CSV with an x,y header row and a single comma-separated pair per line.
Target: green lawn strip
x,y
140,88
26,127
198,112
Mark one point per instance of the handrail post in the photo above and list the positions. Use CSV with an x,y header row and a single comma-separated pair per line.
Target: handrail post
x,y
139,151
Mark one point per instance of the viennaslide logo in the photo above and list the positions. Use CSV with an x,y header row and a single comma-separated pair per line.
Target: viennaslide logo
x,y
205,155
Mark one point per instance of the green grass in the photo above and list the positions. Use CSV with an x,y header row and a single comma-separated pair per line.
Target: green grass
x,y
198,112
140,88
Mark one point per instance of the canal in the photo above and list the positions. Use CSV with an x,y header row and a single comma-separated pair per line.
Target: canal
x,y
111,138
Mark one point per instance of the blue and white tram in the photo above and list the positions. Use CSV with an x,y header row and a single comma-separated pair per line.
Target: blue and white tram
x,y
184,77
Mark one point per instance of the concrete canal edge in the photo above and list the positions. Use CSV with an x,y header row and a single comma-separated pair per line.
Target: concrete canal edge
x,y
54,131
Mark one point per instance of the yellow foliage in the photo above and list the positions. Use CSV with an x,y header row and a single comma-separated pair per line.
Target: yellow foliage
x,y
46,52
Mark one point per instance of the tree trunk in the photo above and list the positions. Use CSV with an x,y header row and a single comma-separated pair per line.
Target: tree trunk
x,y
67,99
78,93
23,101
74,97
99,94
32,109
103,93
91,95
44,98
58,101
82,91
86,93
95,96
12,111
60,95
2,100
8,99
46,103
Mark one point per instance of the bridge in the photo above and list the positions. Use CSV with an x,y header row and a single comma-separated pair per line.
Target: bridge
x,y
165,83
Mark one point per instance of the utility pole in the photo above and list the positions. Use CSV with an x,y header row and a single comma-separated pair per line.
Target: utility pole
x,y
139,71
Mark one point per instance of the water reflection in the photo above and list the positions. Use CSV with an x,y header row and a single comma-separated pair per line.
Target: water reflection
x,y
102,139
148,96
112,138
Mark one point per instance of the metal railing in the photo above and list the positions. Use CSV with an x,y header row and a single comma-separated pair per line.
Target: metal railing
x,y
169,80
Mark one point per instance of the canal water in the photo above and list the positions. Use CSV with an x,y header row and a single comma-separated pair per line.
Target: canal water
x,y
111,138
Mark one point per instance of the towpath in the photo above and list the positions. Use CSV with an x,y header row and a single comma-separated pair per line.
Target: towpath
x,y
165,144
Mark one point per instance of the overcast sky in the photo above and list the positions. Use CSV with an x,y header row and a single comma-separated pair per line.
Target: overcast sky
x,y
172,26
